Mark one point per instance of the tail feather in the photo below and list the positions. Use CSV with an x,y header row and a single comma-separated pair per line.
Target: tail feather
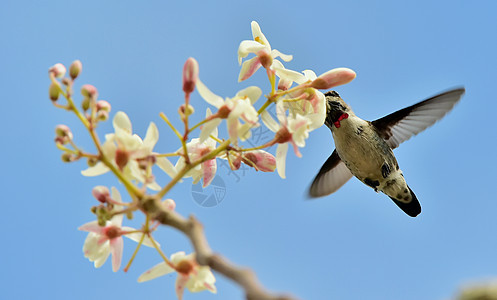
x,y
412,208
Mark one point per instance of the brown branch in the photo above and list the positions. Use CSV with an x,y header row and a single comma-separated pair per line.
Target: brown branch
x,y
192,228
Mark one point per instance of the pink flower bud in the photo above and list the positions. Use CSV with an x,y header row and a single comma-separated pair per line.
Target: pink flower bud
x,y
102,115
261,160
169,204
190,75
58,70
75,69
103,105
89,91
53,92
101,193
332,78
63,131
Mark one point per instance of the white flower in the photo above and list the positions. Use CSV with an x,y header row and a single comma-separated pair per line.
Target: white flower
x,y
233,110
125,150
292,129
262,49
106,240
197,149
194,277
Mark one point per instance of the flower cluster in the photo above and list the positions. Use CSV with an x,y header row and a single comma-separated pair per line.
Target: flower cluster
x,y
300,108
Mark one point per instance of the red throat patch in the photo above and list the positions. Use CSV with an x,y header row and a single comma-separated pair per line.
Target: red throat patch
x,y
342,117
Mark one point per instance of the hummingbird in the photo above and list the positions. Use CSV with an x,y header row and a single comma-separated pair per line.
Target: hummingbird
x,y
364,148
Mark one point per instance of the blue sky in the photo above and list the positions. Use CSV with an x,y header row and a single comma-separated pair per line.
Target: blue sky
x,y
354,244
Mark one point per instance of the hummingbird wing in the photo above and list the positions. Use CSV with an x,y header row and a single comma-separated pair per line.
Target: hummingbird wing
x,y
333,174
401,125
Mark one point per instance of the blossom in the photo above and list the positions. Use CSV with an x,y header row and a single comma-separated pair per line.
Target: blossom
x,y
194,277
125,150
197,149
260,160
262,49
106,240
293,129
233,110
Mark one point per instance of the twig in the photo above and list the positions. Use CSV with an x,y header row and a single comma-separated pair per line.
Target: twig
x,y
192,228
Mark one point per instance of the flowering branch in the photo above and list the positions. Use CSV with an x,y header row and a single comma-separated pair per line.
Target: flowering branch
x,y
131,159
193,229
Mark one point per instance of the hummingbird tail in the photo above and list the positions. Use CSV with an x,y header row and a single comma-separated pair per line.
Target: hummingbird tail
x,y
412,208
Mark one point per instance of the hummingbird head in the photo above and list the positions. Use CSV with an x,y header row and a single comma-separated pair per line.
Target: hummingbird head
x,y
336,109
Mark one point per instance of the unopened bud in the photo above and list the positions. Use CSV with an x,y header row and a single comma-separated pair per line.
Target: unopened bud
x,y
102,115
67,157
58,70
190,75
261,160
169,204
85,104
89,91
129,215
103,105
63,131
332,78
185,110
93,209
122,158
101,193
75,68
54,91
66,81
92,161
101,221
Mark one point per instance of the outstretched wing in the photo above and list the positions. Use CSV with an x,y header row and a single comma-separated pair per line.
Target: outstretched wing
x,y
401,125
333,174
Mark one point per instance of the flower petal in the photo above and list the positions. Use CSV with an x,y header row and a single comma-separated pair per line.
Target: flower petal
x,y
116,248
137,236
258,35
270,123
96,170
158,270
247,47
281,151
310,74
209,96
151,137
165,165
91,227
288,74
121,122
208,129
252,92
181,282
249,67
285,57
209,167
116,220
